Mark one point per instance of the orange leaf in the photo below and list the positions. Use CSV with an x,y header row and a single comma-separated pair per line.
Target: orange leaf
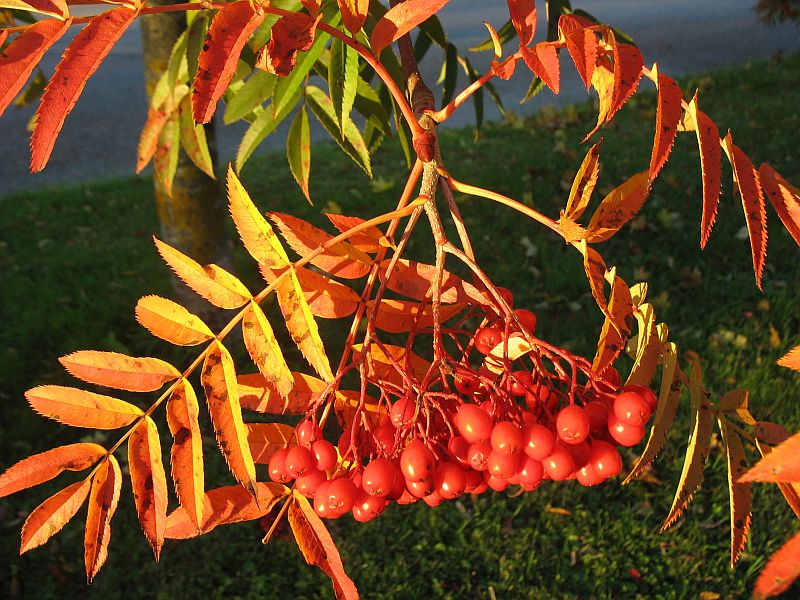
x,y
413,279
781,571
187,450
211,282
292,33
668,114
346,406
103,499
267,438
342,259
782,464
792,359
45,466
354,12
542,60
256,393
256,233
616,327
741,496
381,363
397,316
370,240
171,322
301,324
119,371
80,61
23,54
628,63
584,183
746,179
582,45
595,268
710,167
148,138
227,35
50,516
326,297
619,207
603,83
149,482
785,199
790,491
259,339
219,382
80,408
400,19
53,8
318,547
231,504
523,17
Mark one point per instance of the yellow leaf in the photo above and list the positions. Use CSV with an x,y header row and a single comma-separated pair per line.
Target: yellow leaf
x,y
792,359
211,282
267,438
258,394
187,450
741,496
738,402
572,231
259,339
52,8
584,184
648,349
80,408
149,482
301,324
111,369
171,322
256,233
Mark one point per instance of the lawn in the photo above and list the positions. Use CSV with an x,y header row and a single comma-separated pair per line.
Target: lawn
x,y
72,270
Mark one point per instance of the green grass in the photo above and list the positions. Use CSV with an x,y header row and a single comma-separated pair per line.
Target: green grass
x,y
73,269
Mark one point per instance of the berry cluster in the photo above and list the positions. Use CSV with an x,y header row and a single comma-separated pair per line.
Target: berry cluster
x,y
516,424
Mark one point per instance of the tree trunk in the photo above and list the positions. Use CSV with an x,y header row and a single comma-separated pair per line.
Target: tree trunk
x,y
193,218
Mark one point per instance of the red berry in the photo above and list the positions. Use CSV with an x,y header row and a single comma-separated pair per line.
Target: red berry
x,y
368,507
538,441
502,465
473,423
624,434
383,438
325,454
420,489
631,408
378,477
521,382
489,408
449,481
645,392
340,495
498,484
458,449
402,412
572,425
277,466
597,413
417,462
321,506
478,455
526,318
299,460
506,295
487,338
433,499
406,497
579,452
531,473
398,487
611,375
605,459
587,476
310,482
473,479
559,465
307,432
506,438
466,384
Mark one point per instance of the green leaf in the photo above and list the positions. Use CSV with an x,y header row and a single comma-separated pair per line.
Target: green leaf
x,y
506,34
342,79
536,86
432,27
255,91
450,72
193,139
166,158
369,106
298,150
195,39
349,138
259,129
477,97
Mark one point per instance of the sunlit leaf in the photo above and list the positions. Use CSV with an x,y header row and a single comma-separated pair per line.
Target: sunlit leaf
x,y
103,500
741,496
171,321
149,482
50,516
264,350
187,450
80,408
44,466
111,369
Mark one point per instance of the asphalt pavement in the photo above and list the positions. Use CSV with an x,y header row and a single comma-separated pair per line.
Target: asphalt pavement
x,y
100,135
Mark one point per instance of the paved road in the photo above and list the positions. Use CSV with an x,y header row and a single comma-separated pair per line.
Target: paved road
x,y
99,137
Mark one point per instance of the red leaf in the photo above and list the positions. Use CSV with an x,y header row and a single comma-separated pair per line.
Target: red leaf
x,y
45,466
368,240
318,547
781,571
24,53
342,260
542,59
230,504
523,17
80,61
326,298
785,199
579,37
291,34
216,64
628,63
667,117
354,13
746,178
397,316
401,19
414,279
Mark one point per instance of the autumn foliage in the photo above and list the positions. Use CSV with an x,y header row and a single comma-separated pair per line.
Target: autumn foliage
x,y
443,387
